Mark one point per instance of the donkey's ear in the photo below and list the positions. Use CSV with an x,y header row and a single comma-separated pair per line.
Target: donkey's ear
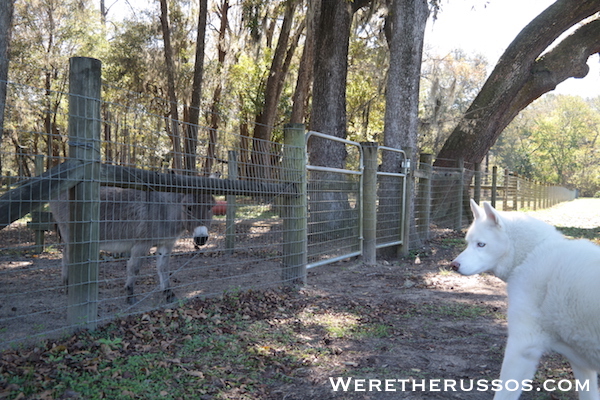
x,y
477,211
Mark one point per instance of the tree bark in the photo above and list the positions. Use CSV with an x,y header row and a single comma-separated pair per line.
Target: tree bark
x,y
329,209
306,68
567,60
330,73
520,77
261,157
191,139
6,17
405,33
170,71
215,114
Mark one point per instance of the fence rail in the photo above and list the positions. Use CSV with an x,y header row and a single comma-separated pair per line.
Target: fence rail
x,y
279,218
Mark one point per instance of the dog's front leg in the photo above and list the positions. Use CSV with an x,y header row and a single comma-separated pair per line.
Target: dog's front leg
x,y
520,362
589,379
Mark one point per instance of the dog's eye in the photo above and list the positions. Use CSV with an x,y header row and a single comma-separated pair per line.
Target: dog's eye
x,y
480,244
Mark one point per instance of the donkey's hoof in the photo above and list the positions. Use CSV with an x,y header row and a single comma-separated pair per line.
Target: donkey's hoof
x,y
170,296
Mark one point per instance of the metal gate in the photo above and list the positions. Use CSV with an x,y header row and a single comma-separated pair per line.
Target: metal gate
x,y
355,210
335,207
392,227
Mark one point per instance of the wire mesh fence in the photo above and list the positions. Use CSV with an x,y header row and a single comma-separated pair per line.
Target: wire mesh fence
x,y
335,209
172,210
212,225
392,192
442,196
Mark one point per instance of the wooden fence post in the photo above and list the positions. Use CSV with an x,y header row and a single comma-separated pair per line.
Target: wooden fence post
x,y
494,185
84,145
536,195
423,211
524,191
477,183
39,234
515,199
459,195
407,207
506,190
294,208
232,174
529,192
544,196
369,202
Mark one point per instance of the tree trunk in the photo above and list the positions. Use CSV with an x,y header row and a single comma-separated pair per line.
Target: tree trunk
x,y
170,71
405,32
215,114
306,68
261,151
6,17
521,76
329,112
329,87
191,137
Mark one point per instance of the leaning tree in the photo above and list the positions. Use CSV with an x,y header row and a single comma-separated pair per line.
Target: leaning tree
x,y
528,68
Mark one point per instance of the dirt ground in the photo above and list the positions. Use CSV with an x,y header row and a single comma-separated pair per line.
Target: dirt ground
x,y
33,300
427,326
446,327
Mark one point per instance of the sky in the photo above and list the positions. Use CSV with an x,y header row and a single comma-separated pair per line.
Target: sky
x,y
476,26
489,26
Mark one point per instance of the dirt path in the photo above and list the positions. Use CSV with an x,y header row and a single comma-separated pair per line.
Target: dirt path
x,y
456,329
580,213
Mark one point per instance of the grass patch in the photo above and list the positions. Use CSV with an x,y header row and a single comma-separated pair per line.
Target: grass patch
x,y
235,347
343,326
204,348
453,242
592,234
449,310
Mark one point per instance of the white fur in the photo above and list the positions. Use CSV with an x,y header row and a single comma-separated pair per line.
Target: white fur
x,y
553,287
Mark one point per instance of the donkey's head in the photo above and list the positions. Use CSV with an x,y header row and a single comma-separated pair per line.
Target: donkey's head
x,y
198,215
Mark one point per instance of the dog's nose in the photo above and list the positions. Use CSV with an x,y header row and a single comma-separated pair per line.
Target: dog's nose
x,y
455,265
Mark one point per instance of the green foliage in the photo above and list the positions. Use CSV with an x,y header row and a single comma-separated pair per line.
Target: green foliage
x,y
592,234
448,86
242,343
365,98
48,32
555,140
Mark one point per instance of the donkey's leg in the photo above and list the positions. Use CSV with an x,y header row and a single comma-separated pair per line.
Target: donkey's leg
x,y
163,255
64,233
133,268
65,265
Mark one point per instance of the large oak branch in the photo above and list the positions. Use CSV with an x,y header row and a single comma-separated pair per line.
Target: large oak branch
x,y
567,60
504,93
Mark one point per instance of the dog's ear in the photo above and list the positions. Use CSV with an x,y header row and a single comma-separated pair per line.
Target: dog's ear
x,y
492,214
477,211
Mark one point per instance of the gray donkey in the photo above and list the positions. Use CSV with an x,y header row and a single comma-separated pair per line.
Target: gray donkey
x,y
134,221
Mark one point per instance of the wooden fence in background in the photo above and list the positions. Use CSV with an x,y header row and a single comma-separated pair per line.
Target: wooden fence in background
x,y
443,193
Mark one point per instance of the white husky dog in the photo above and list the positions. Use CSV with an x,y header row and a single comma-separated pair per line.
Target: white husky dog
x,y
553,286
